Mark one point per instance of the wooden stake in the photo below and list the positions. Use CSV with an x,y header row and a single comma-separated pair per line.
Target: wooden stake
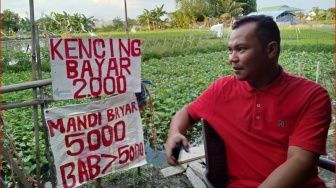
x,y
98,180
300,69
183,41
317,71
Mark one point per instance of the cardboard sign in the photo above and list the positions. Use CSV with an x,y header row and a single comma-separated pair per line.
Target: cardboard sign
x,y
95,139
90,67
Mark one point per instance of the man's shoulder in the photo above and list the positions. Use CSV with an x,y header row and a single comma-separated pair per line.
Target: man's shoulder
x,y
301,81
305,85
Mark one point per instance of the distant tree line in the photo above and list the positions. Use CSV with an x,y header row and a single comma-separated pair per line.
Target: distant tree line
x,y
318,14
199,13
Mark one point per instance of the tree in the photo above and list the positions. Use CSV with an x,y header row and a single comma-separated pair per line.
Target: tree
x,y
10,21
250,6
318,15
146,18
225,17
300,15
214,8
131,21
198,8
181,20
65,22
330,14
152,18
118,23
156,15
233,8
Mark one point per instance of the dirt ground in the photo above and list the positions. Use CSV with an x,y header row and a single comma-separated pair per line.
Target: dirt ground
x,y
150,177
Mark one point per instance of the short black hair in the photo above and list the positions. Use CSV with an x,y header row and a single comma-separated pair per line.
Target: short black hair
x,y
266,28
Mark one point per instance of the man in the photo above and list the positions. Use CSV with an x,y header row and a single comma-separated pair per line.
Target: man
x,y
274,125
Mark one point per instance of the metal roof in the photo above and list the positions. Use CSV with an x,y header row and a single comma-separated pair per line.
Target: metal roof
x,y
279,8
274,14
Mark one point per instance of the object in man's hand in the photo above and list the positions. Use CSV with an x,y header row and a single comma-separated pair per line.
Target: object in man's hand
x,y
176,150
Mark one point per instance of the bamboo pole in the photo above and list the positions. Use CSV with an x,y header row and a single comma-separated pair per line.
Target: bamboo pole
x,y
164,42
324,75
44,105
5,154
199,39
183,41
1,111
127,34
317,71
43,95
25,104
300,69
35,112
191,42
26,85
98,183
126,21
174,43
98,180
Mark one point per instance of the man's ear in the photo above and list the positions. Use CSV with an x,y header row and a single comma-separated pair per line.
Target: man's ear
x,y
272,49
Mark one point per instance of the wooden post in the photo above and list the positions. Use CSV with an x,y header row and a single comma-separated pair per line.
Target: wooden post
x,y
297,34
317,71
174,43
183,41
143,43
22,177
98,183
35,107
191,42
126,21
300,69
156,42
98,180
164,42
199,39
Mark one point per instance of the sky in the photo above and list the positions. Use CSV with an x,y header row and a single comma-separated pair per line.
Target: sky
x,y
110,9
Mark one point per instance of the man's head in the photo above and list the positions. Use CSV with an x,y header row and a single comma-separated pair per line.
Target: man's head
x,y
254,50
266,29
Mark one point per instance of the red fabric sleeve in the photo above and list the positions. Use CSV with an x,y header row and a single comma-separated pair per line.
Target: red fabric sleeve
x,y
204,105
312,130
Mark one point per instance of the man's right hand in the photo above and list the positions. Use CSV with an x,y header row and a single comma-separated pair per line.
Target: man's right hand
x,y
171,142
178,127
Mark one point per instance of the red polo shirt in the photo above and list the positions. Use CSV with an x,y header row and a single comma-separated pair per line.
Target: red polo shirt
x,y
258,125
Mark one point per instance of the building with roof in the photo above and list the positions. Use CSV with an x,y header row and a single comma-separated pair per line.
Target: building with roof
x,y
283,14
280,8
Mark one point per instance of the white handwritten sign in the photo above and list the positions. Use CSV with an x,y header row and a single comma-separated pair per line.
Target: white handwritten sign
x,y
90,67
95,139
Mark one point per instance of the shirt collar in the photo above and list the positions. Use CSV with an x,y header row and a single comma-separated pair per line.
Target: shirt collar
x,y
274,88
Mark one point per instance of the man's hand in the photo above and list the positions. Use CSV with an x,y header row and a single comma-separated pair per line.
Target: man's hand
x,y
171,142
178,127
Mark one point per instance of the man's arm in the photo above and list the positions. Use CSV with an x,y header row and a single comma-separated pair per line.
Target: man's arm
x,y
178,126
297,169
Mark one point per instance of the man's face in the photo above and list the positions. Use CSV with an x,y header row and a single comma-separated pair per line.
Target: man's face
x,y
247,57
